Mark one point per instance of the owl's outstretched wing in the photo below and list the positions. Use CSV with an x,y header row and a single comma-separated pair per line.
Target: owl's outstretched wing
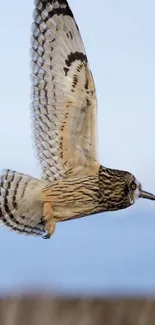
x,y
64,105
21,208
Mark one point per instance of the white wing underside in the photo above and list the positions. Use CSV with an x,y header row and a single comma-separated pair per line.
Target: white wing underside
x,y
64,105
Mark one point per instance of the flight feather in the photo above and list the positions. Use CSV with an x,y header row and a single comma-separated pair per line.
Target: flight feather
x,y
21,208
64,105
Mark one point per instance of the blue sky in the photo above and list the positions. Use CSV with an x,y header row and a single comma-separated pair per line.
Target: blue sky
x,y
114,251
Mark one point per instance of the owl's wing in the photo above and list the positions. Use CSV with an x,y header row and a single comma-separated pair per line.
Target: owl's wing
x,y
64,104
21,208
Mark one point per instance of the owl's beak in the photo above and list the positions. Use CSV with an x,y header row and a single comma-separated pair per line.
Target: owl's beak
x,y
146,195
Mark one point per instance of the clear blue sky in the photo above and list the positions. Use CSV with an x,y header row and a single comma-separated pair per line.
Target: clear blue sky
x,y
112,251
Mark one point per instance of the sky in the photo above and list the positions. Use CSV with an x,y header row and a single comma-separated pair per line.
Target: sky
x,y
110,252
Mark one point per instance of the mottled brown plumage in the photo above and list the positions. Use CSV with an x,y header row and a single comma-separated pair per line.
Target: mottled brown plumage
x,y
64,114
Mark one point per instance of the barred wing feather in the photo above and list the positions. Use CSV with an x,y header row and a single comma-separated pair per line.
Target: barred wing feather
x,y
64,105
21,209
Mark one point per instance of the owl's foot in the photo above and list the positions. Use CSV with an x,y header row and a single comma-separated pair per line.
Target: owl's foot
x,y
49,229
47,236
48,220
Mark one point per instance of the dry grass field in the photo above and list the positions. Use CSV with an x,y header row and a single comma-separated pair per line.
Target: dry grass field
x,y
45,310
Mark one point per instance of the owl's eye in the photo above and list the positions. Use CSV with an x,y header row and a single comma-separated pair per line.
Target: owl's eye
x,y
133,186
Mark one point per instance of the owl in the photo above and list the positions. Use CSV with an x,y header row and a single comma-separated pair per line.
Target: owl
x,y
73,183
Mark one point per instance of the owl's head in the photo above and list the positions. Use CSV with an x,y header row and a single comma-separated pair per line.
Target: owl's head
x,y
120,189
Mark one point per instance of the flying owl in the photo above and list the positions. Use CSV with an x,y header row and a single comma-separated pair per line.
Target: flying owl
x,y
64,114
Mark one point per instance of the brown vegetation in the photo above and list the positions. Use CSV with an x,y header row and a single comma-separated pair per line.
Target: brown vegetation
x,y
45,310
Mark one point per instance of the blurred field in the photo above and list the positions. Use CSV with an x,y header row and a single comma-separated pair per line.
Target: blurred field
x,y
45,310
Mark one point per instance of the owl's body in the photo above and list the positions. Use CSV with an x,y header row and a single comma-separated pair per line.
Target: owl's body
x,y
24,200
64,114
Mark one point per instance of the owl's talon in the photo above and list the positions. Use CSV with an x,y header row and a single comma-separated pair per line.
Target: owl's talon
x,y
48,220
46,236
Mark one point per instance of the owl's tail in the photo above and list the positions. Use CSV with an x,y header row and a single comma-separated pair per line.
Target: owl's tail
x,y
20,204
